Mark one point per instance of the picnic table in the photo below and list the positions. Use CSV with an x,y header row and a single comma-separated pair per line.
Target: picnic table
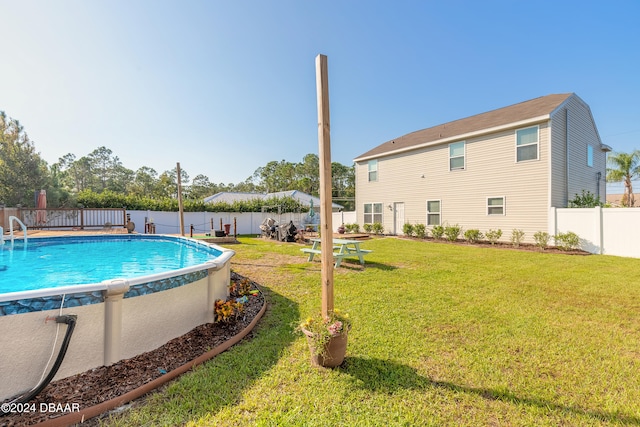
x,y
342,248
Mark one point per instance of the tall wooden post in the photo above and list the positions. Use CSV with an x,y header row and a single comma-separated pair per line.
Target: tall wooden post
x,y
180,207
324,143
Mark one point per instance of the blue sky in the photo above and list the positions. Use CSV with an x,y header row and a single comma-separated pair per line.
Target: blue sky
x,y
223,87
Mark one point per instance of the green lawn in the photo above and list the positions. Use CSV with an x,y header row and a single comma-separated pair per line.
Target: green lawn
x,y
442,335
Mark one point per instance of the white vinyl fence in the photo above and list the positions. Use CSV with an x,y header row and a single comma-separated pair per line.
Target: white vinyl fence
x,y
246,222
608,231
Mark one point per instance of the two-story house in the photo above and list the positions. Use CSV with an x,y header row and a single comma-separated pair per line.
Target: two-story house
x,y
502,169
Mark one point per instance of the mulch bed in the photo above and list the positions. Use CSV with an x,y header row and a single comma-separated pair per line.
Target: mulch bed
x,y
107,382
529,247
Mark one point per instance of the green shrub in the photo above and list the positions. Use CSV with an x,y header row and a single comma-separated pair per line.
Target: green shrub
x,y
452,232
407,229
542,239
352,228
420,231
586,200
567,241
437,231
493,235
378,228
516,237
473,235
111,199
368,228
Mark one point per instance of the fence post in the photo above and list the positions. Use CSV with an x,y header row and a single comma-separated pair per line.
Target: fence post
x,y
598,229
553,221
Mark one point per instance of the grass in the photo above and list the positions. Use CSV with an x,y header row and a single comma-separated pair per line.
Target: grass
x,y
442,335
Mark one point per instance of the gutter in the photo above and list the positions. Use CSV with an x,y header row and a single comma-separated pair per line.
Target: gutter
x,y
512,125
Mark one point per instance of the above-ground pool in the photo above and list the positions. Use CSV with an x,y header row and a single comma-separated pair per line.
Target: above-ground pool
x,y
131,294
56,262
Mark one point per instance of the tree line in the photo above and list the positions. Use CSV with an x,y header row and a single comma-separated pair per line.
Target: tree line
x,y
99,178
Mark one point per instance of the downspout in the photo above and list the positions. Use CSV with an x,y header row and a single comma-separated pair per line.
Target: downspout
x,y
566,141
598,177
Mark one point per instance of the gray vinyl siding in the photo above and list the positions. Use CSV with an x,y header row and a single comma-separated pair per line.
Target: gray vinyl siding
x,y
582,132
491,171
558,187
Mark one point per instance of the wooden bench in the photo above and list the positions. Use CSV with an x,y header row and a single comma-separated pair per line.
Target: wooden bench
x,y
342,248
338,256
362,251
311,251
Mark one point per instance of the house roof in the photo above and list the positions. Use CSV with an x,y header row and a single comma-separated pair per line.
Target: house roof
x,y
227,197
538,108
303,198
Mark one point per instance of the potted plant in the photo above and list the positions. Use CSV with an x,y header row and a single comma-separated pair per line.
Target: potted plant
x,y
327,338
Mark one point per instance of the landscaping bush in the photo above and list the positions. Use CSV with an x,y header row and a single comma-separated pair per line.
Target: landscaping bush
x,y
407,229
586,200
227,311
473,235
516,237
352,228
111,199
368,228
567,241
493,235
542,239
452,232
437,231
378,228
420,231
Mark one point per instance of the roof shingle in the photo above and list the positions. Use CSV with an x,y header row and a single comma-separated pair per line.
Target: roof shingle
x,y
503,116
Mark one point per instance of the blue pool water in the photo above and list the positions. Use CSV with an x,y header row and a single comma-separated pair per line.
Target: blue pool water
x,y
61,261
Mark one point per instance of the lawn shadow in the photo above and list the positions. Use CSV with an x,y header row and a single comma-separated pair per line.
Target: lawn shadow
x,y
380,266
221,381
354,265
386,376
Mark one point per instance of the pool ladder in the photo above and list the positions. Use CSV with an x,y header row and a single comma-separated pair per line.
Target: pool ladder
x,y
11,234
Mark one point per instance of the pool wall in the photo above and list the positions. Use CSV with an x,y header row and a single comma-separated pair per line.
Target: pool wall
x,y
117,320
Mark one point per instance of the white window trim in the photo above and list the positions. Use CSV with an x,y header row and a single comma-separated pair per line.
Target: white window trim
x,y
515,135
373,213
464,156
439,212
504,205
369,170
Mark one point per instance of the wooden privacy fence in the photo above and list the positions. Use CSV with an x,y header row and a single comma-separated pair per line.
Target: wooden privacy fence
x,y
79,218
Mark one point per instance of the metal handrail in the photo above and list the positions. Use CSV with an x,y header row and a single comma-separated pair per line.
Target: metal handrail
x,y
24,227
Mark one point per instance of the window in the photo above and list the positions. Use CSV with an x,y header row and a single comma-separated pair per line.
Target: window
x,y
527,144
373,170
372,213
589,156
495,205
456,155
433,212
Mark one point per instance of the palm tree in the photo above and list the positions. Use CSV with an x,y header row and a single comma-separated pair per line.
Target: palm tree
x,y
624,167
